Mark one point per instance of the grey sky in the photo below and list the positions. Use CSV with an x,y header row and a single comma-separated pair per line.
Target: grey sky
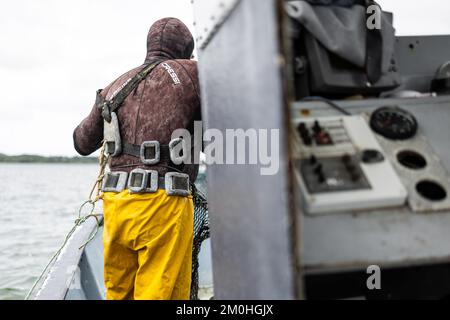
x,y
55,54
419,17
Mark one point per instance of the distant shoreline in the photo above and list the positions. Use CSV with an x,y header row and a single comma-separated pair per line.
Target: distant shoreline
x,y
27,158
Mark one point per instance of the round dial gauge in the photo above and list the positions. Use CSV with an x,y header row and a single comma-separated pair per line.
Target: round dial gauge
x,y
394,123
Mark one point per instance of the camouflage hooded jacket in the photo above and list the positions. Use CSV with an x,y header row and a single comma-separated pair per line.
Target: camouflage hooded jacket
x,y
168,99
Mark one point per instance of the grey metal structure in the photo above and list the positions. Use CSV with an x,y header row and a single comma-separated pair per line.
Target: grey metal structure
x,y
419,58
209,16
242,87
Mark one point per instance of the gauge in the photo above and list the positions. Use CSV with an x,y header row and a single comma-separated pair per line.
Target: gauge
x,y
394,123
441,83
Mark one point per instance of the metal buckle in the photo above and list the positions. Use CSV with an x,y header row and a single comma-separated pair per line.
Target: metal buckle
x,y
137,181
150,152
152,181
114,181
111,134
174,151
177,184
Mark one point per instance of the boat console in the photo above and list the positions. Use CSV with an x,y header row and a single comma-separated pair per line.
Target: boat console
x,y
373,182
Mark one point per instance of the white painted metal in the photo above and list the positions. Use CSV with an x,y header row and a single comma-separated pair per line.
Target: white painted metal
x,y
386,187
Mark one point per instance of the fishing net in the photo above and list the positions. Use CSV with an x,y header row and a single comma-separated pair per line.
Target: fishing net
x,y
201,233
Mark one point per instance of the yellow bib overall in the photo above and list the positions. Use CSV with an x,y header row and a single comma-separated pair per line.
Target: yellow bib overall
x,y
147,246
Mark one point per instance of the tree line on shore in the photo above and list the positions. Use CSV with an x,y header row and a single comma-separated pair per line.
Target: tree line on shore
x,y
28,158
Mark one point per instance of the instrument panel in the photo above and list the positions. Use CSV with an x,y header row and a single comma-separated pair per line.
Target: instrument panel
x,y
341,166
368,161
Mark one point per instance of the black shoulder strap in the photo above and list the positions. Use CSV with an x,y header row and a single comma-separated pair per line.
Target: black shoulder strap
x,y
108,106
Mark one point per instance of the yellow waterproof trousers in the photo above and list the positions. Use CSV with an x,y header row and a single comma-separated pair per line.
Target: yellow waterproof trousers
x,y
148,246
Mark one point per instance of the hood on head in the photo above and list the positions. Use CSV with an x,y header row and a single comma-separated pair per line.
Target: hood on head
x,y
169,38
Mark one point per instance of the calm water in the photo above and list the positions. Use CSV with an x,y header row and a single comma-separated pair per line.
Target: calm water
x,y
38,206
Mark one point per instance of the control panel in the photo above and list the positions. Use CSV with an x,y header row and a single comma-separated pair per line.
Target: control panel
x,y
341,166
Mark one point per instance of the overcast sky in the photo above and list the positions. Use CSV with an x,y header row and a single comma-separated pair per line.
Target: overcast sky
x,y
55,54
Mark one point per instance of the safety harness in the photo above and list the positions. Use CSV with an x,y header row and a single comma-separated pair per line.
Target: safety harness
x,y
149,152
109,108
116,101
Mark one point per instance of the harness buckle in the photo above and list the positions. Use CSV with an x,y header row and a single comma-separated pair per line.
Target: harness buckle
x,y
114,181
143,181
177,184
150,152
111,134
137,181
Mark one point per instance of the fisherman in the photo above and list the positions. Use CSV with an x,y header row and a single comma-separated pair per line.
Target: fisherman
x,y
148,208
